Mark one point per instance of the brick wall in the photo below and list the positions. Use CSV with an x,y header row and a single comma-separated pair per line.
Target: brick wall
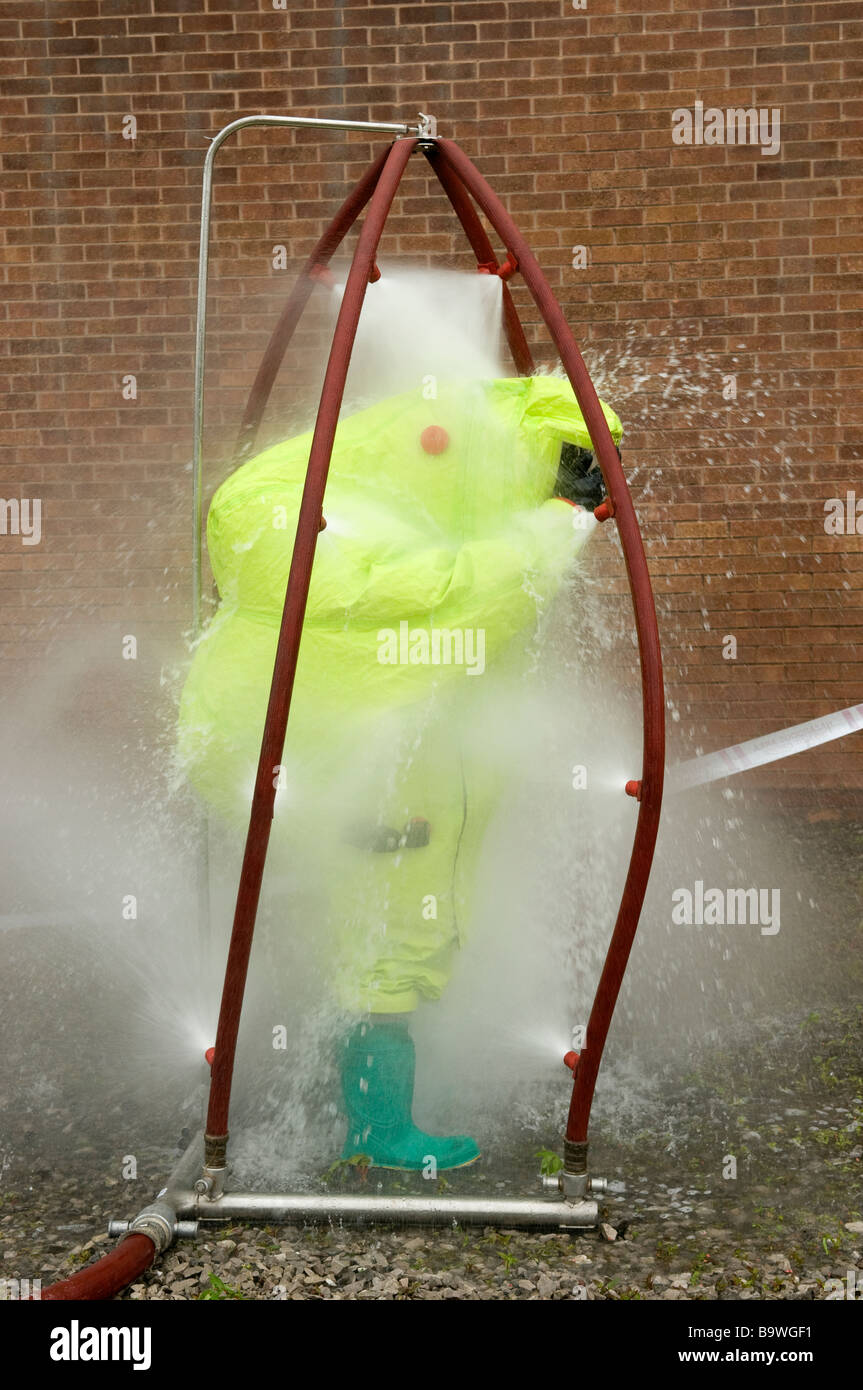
x,y
704,262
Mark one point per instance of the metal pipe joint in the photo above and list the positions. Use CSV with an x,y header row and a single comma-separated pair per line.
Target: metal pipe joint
x,y
158,1222
575,1187
573,1180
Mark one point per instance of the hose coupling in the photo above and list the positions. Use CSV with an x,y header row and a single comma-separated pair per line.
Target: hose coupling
x,y
573,1180
215,1150
211,1183
575,1155
183,1230
158,1221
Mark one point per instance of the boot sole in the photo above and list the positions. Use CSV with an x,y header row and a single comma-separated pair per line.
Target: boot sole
x,y
400,1168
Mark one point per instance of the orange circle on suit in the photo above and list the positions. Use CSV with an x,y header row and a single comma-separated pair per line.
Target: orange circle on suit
x,y
434,439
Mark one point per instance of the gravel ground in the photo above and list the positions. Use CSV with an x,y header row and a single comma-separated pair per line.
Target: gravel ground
x,y
790,1092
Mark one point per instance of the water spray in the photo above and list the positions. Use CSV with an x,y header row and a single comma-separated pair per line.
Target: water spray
x,y
768,748
756,752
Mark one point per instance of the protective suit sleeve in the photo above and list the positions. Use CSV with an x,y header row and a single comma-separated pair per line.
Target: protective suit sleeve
x,y
497,583
551,410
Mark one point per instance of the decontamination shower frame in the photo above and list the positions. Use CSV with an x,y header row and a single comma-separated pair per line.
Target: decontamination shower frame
x,y
196,1191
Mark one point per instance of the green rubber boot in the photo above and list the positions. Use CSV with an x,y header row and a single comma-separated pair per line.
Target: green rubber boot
x,y
378,1067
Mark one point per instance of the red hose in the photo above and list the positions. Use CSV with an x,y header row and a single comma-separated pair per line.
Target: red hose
x,y
107,1276
287,651
653,700
299,297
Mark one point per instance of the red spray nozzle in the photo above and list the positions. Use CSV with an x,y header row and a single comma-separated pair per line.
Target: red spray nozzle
x,y
633,788
506,269
571,1060
323,275
209,1055
604,510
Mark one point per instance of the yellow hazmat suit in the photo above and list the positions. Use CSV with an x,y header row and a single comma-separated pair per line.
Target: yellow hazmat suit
x,y
442,549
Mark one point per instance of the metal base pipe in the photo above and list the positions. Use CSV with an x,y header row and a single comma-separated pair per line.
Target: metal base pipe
x,y
307,1208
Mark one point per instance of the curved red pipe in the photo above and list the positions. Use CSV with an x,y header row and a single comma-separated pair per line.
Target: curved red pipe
x,y
284,670
653,701
107,1276
297,301
484,252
